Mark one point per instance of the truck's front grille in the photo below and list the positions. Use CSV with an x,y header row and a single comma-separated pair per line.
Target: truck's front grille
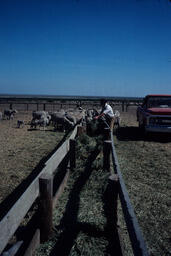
x,y
160,120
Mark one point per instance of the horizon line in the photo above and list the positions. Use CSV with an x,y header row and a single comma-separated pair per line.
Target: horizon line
x,y
65,96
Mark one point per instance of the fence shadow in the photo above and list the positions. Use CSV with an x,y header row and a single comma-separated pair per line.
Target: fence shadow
x,y
69,223
110,198
9,201
133,133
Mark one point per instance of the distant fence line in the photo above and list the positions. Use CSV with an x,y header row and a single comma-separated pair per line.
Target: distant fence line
x,y
28,105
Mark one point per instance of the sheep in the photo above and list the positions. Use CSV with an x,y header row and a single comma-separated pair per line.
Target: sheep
x,y
78,115
90,114
43,122
33,123
39,114
62,121
20,123
41,118
70,117
55,115
9,113
117,118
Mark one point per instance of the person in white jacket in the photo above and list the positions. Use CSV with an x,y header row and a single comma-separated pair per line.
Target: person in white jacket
x,y
106,113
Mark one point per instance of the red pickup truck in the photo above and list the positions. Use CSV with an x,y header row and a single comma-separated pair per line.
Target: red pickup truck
x,y
154,115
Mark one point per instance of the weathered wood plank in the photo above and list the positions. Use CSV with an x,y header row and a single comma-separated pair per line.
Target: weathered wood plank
x,y
135,234
34,244
45,206
11,221
13,250
74,133
58,156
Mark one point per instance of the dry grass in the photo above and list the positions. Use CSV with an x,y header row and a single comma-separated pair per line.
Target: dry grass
x,y
79,219
21,149
145,163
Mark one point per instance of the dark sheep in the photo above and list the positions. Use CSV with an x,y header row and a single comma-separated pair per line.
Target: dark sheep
x,y
20,123
9,113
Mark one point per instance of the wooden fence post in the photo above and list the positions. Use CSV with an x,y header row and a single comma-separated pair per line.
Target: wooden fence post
x,y
127,105
111,207
122,106
45,206
106,154
72,143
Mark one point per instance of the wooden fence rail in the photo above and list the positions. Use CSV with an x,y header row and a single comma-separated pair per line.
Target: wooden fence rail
x,y
135,234
11,221
28,104
42,186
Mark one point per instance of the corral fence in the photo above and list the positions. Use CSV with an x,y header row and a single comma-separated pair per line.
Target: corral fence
x,y
56,103
42,188
136,238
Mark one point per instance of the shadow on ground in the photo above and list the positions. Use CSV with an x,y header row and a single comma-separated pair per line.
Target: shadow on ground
x,y
110,197
69,223
134,133
10,200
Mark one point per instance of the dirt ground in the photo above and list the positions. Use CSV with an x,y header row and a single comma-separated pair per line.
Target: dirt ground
x,y
21,149
145,163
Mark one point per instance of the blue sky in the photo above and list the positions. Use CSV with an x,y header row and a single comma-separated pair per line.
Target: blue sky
x,y
85,47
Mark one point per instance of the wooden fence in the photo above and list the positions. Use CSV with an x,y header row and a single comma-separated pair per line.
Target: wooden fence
x,y
41,187
136,238
53,104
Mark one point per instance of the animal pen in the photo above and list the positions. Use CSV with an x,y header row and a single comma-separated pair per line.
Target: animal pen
x,y
52,103
46,188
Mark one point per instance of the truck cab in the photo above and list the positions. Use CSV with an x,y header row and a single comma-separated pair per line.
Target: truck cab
x,y
154,115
